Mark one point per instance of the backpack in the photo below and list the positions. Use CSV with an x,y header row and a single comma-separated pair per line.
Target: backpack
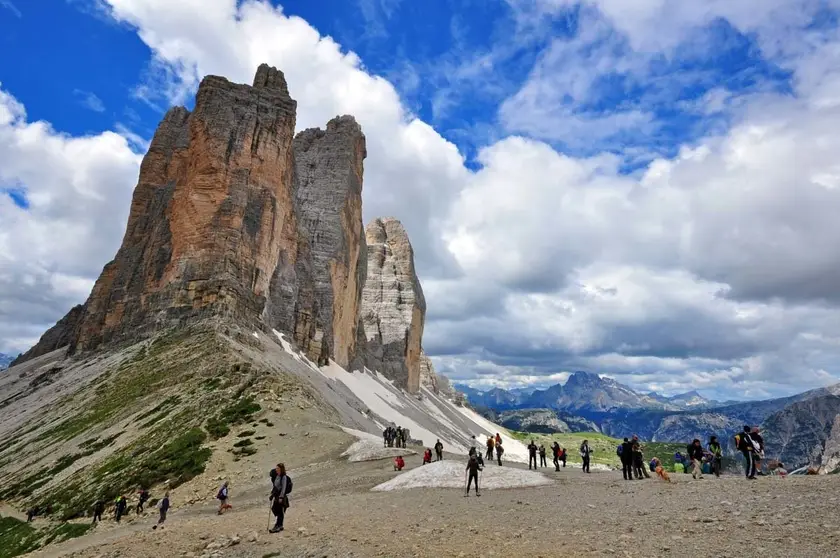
x,y
619,450
273,475
221,494
288,484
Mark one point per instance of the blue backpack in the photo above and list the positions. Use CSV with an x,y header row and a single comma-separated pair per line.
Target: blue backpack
x,y
619,449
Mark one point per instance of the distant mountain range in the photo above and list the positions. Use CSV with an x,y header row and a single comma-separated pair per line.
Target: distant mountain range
x,y
799,429
5,360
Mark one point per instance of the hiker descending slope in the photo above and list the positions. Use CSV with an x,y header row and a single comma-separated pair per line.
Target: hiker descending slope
x,y
163,506
280,490
473,467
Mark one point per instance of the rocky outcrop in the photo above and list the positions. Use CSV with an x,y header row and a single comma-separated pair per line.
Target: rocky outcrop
x,y
60,335
433,381
319,298
830,460
798,434
393,306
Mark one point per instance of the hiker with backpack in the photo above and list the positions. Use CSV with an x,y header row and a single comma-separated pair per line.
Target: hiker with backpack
x,y
625,453
745,445
542,456
163,507
142,496
532,454
491,447
585,454
439,450
98,510
717,455
222,496
281,487
473,467
499,451
120,508
758,442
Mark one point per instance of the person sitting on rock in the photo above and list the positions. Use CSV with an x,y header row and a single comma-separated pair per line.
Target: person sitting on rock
x,y
399,463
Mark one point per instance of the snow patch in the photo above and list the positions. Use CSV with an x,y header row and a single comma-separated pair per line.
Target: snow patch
x,y
451,474
255,334
369,448
514,449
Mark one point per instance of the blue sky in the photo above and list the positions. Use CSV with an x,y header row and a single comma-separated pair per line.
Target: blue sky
x,y
79,69
643,189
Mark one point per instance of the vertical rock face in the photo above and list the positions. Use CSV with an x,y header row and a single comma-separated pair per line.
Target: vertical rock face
x,y
432,381
393,306
830,460
321,305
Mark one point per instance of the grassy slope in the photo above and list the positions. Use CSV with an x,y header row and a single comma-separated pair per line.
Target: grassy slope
x,y
604,447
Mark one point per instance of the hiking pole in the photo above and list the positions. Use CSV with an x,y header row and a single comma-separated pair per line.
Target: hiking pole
x,y
270,513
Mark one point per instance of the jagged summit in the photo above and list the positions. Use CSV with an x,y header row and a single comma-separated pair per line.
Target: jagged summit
x,y
235,219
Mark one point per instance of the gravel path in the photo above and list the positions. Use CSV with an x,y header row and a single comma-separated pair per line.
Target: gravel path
x,y
334,513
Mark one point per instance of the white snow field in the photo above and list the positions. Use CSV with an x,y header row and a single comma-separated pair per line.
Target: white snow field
x,y
451,474
428,417
369,448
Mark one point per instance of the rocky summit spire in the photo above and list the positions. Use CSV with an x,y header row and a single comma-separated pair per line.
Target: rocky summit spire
x,y
393,306
318,296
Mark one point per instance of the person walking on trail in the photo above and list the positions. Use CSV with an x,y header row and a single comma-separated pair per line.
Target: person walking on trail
x,y
222,496
122,504
142,497
542,456
532,454
625,452
717,455
473,467
745,445
585,455
439,450
758,443
491,446
279,498
555,450
98,510
563,456
473,446
695,454
499,451
498,439
163,507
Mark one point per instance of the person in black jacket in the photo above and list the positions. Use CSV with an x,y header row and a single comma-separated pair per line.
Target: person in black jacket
x,y
758,454
746,447
585,455
627,459
695,453
473,467
532,454
279,498
555,450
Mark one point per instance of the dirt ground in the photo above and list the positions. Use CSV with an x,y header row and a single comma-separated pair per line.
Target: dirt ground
x,y
334,513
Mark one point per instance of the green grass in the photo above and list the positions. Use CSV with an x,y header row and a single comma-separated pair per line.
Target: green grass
x,y
233,415
18,537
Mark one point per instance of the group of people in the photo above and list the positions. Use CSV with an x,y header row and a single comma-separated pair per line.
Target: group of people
x,y
394,437
494,448
632,459
121,507
558,452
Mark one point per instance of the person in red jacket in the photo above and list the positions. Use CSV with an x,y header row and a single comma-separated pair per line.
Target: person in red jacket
x,y
399,463
427,456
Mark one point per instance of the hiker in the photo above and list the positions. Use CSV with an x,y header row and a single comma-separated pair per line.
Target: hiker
x,y
439,450
499,451
745,445
717,455
163,507
638,460
222,497
122,504
142,496
498,439
563,456
385,437
625,452
399,435
555,450
281,488
695,453
427,456
491,447
542,456
98,510
30,515
532,454
473,467
399,463
585,453
758,442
